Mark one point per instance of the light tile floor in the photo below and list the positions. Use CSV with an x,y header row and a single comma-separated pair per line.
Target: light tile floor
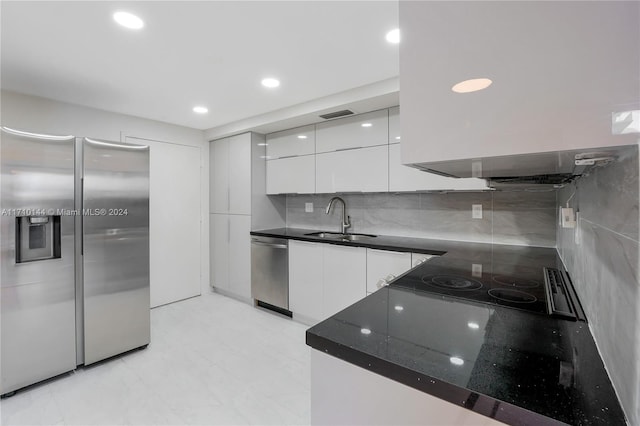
x,y
212,360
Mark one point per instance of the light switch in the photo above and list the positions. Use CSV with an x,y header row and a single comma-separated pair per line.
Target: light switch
x,y
476,211
308,207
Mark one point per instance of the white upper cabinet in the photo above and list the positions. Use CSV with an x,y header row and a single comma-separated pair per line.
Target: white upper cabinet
x,y
354,170
219,176
230,175
292,142
394,125
292,175
359,131
405,178
240,174
561,71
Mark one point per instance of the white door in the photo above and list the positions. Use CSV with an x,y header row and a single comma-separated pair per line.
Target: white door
x,y
174,221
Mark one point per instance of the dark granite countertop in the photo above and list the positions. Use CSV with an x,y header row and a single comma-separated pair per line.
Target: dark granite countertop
x,y
519,367
380,242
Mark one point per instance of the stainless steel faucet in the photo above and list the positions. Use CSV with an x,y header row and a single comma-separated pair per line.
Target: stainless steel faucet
x,y
345,219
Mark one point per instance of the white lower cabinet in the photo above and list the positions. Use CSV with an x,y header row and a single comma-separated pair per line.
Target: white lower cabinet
x,y
305,280
383,266
292,175
231,254
418,258
353,170
324,279
345,274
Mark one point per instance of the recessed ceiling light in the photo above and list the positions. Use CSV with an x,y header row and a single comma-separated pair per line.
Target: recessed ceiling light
x,y
393,36
263,144
365,331
128,20
473,325
270,82
397,138
302,136
398,308
456,360
472,85
200,109
366,124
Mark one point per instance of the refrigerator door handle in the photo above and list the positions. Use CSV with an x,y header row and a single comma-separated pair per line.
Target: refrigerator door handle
x,y
81,213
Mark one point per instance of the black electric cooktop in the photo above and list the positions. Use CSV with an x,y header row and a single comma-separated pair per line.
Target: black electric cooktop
x,y
496,282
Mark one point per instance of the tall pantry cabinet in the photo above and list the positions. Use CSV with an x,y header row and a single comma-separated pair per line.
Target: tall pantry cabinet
x,y
237,202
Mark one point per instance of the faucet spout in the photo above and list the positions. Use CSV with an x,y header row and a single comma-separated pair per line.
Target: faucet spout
x,y
346,223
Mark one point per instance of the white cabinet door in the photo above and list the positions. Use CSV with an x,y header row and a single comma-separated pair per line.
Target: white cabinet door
x,y
418,258
405,178
219,240
239,262
219,176
292,175
292,142
362,130
305,279
394,125
384,266
240,174
355,170
345,277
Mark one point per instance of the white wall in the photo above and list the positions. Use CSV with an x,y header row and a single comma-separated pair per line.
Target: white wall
x,y
42,115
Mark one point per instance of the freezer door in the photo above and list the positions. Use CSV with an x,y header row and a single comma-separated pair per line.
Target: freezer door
x,y
37,258
115,248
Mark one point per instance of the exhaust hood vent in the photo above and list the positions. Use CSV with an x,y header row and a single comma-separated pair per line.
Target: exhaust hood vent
x,y
552,179
336,114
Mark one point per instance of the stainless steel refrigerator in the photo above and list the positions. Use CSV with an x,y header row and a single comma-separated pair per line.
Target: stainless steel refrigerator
x,y
74,236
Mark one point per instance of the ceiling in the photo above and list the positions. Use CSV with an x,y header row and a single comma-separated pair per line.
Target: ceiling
x,y
207,53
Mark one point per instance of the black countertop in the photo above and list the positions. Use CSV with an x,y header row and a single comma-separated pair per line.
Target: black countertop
x,y
518,367
380,242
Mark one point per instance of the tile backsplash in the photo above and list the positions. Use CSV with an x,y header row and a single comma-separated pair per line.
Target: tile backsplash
x,y
517,217
601,255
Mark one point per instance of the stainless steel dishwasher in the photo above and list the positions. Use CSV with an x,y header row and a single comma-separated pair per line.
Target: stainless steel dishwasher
x,y
270,273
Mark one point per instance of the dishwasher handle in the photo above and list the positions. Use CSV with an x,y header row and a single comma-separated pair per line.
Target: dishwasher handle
x,y
272,245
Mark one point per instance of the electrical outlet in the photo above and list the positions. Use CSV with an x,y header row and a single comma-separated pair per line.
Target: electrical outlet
x,y
476,270
308,207
568,218
476,211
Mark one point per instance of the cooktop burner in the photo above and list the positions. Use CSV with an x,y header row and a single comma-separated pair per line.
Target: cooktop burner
x,y
515,282
512,296
452,282
507,285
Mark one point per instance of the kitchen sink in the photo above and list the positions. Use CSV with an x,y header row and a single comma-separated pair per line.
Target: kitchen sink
x,y
340,236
